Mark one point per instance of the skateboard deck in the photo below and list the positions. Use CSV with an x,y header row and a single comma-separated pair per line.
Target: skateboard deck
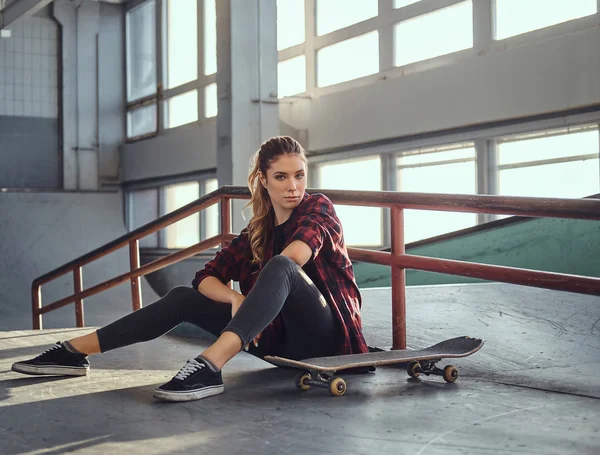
x,y
320,371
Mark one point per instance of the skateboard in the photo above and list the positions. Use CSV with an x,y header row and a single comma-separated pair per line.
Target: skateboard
x,y
321,371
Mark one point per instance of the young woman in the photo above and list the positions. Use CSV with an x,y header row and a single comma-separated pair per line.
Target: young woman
x,y
298,297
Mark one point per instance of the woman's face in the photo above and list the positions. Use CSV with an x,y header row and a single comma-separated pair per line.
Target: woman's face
x,y
285,182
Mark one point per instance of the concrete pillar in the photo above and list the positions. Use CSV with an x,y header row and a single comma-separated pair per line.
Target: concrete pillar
x,y
246,81
79,89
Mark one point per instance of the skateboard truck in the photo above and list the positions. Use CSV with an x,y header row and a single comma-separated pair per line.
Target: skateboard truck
x,y
336,385
427,367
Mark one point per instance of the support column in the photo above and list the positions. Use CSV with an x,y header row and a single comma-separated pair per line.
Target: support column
x,y
246,80
79,30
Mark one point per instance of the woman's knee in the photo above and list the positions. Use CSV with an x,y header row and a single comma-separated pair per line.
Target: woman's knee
x,y
281,263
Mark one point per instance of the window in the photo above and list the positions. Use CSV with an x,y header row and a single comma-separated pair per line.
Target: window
x,y
210,37
447,171
335,14
291,76
181,109
212,214
403,3
143,208
360,175
211,107
141,121
563,165
184,232
141,51
514,17
182,42
290,23
347,60
431,35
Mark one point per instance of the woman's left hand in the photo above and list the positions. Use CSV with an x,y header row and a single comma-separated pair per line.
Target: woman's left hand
x,y
255,342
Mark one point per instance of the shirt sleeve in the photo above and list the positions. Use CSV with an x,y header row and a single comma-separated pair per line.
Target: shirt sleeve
x,y
317,224
226,264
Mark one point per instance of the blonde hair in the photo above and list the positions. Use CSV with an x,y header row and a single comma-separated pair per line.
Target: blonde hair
x,y
263,217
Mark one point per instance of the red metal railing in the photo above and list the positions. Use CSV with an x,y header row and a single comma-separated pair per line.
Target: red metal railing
x,y
397,259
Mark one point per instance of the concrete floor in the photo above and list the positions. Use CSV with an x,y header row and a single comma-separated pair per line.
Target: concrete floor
x,y
534,388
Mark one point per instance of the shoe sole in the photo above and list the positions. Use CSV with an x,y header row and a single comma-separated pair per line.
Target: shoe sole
x,y
55,370
166,395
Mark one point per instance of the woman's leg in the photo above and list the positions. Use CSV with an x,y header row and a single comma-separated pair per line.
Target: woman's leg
x,y
281,287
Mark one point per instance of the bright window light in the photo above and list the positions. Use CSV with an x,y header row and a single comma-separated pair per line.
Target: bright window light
x,y
514,17
182,42
185,232
211,108
575,179
290,23
402,3
141,51
211,214
431,35
347,60
182,109
335,14
291,76
420,174
210,37
360,175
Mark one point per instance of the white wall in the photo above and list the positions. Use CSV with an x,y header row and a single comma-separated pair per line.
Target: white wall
x,y
553,75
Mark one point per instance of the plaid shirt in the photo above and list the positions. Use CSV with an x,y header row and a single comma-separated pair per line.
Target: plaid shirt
x,y
314,222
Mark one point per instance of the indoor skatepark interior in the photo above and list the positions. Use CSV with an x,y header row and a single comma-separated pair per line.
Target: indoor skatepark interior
x,y
435,121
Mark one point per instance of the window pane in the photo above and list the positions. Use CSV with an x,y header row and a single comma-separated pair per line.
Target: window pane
x,y
181,109
141,51
210,37
514,17
571,179
291,76
290,23
544,148
401,3
459,178
350,59
211,107
182,42
335,14
361,175
141,121
211,214
185,232
431,35
143,210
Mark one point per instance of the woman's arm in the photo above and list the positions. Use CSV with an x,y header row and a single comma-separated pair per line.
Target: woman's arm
x,y
298,251
212,288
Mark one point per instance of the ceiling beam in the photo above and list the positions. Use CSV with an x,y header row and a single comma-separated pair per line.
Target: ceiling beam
x,y
18,9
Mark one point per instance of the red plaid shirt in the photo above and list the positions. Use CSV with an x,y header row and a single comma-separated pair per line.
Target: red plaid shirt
x,y
315,223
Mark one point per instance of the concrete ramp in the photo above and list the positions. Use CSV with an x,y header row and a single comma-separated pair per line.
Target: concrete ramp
x,y
534,388
40,231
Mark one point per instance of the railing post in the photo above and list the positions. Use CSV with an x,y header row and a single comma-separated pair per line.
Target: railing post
x,y
225,223
36,306
78,287
134,264
398,280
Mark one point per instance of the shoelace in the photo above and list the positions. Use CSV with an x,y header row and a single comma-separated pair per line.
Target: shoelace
x,y
50,349
191,366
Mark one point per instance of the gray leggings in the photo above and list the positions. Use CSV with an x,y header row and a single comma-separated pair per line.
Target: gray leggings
x,y
282,287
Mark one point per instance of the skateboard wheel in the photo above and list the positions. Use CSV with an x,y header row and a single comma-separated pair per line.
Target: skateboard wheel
x,y
450,373
301,381
337,387
414,369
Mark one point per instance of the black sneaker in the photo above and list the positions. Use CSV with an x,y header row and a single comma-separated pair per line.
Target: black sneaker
x,y
55,361
194,381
